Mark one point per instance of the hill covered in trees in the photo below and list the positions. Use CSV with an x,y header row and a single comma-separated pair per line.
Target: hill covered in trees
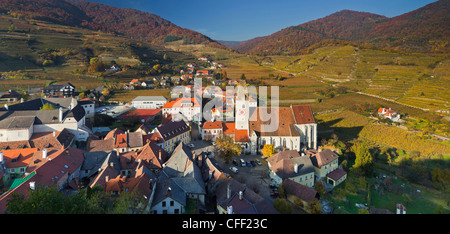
x,y
124,21
422,30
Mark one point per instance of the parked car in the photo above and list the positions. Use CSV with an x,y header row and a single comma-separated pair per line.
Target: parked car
x,y
235,162
242,162
274,194
249,164
253,163
258,162
234,169
191,145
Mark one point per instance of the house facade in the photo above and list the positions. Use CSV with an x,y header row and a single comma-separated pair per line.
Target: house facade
x,y
67,90
149,102
188,107
18,122
290,165
172,134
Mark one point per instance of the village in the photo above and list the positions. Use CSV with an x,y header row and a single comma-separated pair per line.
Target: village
x,y
166,151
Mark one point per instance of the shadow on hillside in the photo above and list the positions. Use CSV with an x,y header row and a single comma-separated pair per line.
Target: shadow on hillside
x,y
326,129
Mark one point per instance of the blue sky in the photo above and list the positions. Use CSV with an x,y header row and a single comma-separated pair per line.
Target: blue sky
x,y
239,20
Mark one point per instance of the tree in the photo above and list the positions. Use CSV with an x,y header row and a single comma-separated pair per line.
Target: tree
x,y
283,206
11,28
105,92
320,188
227,148
314,206
47,106
224,75
49,200
364,160
268,150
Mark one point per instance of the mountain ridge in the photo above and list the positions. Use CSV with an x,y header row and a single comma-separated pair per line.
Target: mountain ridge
x,y
95,16
421,30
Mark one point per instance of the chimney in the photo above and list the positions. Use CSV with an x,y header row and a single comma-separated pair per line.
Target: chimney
x,y
32,185
60,114
228,191
169,191
230,209
6,107
54,133
241,195
1,157
106,179
44,153
160,156
296,168
111,164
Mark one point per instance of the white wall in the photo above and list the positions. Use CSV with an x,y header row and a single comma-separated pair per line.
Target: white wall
x,y
170,209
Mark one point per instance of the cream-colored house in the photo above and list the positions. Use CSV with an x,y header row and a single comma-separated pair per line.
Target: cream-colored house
x,y
324,162
290,165
173,133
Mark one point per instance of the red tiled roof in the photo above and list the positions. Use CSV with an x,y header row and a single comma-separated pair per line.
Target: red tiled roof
x,y
121,140
241,136
303,114
303,192
323,158
336,174
229,128
179,101
212,125
21,156
141,113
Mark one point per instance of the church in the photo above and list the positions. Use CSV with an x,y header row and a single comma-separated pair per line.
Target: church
x,y
296,130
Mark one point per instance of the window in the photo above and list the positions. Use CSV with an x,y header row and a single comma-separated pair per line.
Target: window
x,y
163,204
177,211
171,203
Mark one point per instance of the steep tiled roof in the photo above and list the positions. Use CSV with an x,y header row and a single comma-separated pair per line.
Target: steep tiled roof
x,y
252,199
151,154
58,140
8,145
229,128
121,140
241,136
323,158
303,114
18,157
285,119
336,174
100,145
172,129
284,162
301,191
212,125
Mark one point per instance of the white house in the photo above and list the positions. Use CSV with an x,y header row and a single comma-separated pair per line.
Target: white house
x,y
89,108
188,107
149,102
18,122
